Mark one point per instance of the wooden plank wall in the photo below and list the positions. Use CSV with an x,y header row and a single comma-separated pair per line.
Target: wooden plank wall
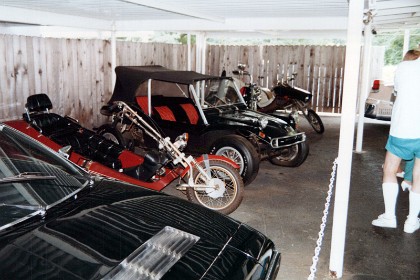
x,y
172,56
319,69
76,74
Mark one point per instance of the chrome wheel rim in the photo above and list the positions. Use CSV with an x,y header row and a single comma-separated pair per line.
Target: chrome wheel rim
x,y
234,155
221,201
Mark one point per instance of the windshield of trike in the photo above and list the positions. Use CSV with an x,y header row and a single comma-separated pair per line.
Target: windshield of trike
x,y
211,93
219,92
32,177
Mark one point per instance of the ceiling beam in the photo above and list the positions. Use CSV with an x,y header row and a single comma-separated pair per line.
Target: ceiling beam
x,y
396,11
395,4
281,34
402,18
175,8
413,23
237,24
406,23
27,16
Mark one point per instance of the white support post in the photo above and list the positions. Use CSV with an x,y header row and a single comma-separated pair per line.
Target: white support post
x,y
351,77
113,56
198,46
367,50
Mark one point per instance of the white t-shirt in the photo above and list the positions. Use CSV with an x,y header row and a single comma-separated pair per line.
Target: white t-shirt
x,y
405,120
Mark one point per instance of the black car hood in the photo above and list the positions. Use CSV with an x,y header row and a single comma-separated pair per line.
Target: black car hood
x,y
88,237
249,119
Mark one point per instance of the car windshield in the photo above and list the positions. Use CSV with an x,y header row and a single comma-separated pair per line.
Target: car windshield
x,y
33,178
216,92
220,92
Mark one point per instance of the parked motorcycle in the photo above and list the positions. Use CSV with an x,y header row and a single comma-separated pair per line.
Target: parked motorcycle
x,y
285,97
212,181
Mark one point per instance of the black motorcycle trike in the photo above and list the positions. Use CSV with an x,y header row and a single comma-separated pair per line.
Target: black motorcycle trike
x,y
210,109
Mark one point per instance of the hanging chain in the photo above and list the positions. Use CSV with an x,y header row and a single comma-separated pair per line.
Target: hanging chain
x,y
315,258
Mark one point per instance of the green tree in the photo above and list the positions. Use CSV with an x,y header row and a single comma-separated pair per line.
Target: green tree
x,y
183,38
394,43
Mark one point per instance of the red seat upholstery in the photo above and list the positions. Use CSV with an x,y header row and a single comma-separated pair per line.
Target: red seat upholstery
x,y
142,102
176,109
191,112
165,113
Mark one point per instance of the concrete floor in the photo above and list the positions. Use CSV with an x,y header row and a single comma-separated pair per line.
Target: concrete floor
x,y
287,205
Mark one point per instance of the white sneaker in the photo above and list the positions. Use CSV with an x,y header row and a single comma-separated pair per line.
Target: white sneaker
x,y
410,227
384,221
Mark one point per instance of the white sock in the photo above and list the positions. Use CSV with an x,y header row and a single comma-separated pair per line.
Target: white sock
x,y
390,192
414,199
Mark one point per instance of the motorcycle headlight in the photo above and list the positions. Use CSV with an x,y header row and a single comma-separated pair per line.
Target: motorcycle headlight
x,y
263,122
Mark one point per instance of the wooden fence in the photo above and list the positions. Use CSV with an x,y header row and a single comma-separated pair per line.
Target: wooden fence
x,y
319,69
171,56
76,74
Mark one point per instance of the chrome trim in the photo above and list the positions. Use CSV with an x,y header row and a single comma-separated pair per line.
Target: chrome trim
x,y
36,213
149,96
274,143
197,102
274,266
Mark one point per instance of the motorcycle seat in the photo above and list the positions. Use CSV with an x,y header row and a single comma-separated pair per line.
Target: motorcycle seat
x,y
176,109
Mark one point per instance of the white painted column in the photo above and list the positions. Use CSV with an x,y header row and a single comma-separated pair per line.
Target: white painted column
x,y
113,56
366,83
203,53
406,44
198,45
351,77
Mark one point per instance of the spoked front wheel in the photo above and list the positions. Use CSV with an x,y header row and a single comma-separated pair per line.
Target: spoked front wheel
x,y
242,152
225,189
315,121
291,156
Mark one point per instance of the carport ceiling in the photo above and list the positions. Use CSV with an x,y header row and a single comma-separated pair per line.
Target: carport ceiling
x,y
263,16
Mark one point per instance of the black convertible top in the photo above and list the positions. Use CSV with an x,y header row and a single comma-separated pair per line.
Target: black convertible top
x,y
130,77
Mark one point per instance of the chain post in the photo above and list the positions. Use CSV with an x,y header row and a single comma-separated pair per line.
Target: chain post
x,y
315,258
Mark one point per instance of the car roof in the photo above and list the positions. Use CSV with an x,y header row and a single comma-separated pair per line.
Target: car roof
x,y
157,72
130,77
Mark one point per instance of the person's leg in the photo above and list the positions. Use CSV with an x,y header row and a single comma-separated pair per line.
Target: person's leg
x,y
390,192
408,175
413,223
391,165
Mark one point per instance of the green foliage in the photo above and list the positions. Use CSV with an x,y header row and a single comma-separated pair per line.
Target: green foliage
x,y
394,43
183,39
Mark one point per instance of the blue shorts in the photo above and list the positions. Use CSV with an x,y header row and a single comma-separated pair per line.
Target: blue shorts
x,y
406,149
408,170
